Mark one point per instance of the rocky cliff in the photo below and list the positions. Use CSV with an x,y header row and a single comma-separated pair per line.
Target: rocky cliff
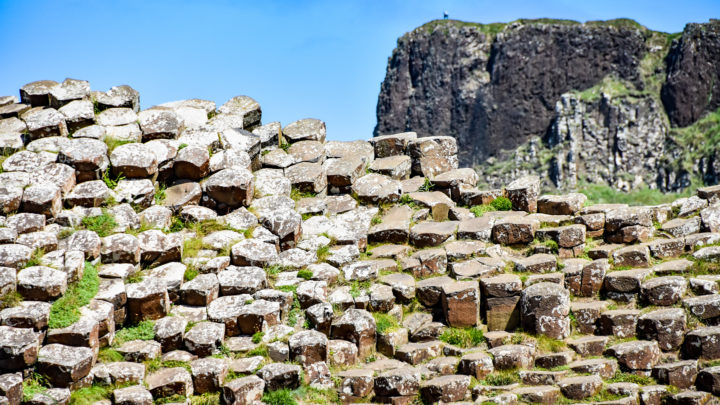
x,y
546,95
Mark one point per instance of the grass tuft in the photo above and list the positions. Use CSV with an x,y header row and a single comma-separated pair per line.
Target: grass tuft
x,y
142,331
66,310
208,398
33,385
90,395
11,299
385,323
503,377
305,273
468,337
103,224
279,397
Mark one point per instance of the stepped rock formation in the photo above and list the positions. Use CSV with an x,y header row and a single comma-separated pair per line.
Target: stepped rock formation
x,y
500,89
189,253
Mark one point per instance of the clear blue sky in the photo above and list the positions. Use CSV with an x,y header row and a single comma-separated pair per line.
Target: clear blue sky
x,y
323,59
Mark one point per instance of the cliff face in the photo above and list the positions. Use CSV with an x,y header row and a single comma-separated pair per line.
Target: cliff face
x,y
692,88
496,87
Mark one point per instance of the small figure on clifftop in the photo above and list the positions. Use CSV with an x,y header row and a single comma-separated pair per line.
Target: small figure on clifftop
x,y
445,15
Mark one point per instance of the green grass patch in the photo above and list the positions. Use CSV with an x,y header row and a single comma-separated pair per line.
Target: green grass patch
x,y
33,385
191,247
358,288
176,225
257,337
305,274
501,204
173,399
258,351
66,310
297,195
156,364
279,397
621,377
549,345
462,337
110,180
384,322
498,204
502,377
322,253
109,355
604,194
190,273
142,331
113,143
208,398
103,224
90,395
35,257
11,299
610,85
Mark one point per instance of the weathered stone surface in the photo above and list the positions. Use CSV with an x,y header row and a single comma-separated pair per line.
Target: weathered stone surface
x,y
580,387
544,308
461,303
514,230
18,348
64,366
167,382
636,355
357,326
445,389
279,375
243,391
666,326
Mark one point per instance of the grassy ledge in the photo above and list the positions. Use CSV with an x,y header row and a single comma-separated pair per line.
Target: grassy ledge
x,y
66,310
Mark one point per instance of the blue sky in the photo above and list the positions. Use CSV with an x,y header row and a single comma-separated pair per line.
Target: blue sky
x,y
322,59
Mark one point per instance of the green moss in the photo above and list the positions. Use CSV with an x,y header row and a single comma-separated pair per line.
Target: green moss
x,y
142,331
66,310
465,338
103,224
479,210
501,204
305,274
257,337
384,322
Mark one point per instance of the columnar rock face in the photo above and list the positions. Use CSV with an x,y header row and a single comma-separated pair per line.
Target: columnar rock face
x,y
585,102
209,255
